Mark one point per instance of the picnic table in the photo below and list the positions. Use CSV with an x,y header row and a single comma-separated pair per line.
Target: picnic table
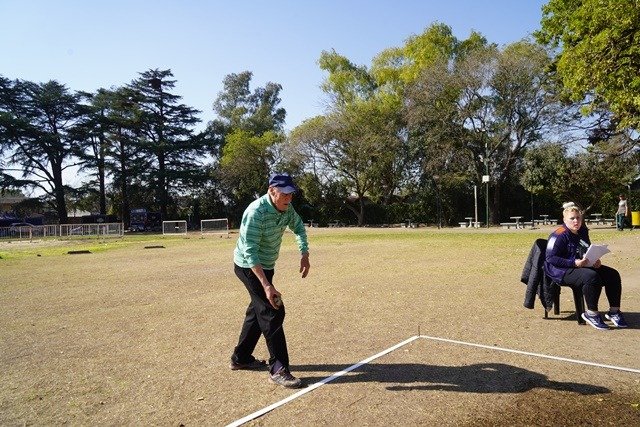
x,y
517,219
545,219
470,219
597,217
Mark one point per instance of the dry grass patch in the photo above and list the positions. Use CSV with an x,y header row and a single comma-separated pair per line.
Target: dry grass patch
x,y
128,335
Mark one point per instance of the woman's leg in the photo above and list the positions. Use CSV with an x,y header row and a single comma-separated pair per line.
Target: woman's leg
x,y
612,282
590,282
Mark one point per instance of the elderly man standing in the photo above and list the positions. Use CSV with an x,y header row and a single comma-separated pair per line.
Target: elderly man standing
x,y
263,224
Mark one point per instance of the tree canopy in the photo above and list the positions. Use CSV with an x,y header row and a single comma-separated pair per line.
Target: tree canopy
x,y
409,136
597,44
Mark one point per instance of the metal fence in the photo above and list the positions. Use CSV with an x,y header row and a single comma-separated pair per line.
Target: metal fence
x,y
111,229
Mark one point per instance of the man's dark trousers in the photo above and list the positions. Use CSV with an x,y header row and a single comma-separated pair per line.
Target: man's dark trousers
x,y
260,318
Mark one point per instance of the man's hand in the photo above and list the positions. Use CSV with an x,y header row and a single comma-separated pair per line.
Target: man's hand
x,y
597,264
304,264
272,295
270,291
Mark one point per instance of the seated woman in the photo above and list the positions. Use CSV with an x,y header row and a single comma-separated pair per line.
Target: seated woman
x,y
565,263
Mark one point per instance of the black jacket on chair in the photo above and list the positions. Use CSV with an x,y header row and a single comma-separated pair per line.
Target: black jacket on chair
x,y
533,276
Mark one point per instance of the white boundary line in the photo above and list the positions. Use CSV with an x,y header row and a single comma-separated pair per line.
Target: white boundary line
x,y
318,384
395,347
545,356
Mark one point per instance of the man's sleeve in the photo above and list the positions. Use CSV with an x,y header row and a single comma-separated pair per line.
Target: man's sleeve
x,y
297,226
252,225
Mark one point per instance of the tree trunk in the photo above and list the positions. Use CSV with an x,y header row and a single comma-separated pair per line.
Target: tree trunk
x,y
494,206
61,204
101,177
162,185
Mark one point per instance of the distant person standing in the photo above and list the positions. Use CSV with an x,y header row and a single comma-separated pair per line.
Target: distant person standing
x,y
263,224
622,213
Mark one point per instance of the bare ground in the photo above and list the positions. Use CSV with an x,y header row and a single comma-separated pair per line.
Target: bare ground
x,y
143,336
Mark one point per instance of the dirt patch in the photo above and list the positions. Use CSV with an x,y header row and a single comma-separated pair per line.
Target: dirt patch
x,y
129,336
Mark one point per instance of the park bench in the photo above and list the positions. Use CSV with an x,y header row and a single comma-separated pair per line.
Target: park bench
x,y
508,224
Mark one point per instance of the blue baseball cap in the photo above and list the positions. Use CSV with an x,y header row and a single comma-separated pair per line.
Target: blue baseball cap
x,y
283,182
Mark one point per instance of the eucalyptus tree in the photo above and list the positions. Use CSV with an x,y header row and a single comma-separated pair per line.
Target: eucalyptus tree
x,y
248,128
488,105
597,56
166,137
36,135
246,163
358,148
360,142
239,108
436,173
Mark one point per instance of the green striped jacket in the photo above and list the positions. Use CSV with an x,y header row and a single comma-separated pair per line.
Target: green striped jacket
x,y
261,233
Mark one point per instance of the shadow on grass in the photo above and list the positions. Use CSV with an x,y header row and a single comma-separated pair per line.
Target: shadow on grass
x,y
476,378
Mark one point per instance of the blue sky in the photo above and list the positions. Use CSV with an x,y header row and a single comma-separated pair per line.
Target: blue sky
x,y
88,44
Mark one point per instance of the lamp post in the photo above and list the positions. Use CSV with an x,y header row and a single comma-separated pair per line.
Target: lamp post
x,y
475,205
436,178
485,179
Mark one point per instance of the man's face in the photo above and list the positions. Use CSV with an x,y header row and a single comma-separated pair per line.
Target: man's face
x,y
279,199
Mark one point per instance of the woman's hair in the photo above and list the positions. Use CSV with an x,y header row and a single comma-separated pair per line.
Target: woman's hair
x,y
570,207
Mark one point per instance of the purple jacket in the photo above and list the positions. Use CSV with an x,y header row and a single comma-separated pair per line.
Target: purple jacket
x,y
563,248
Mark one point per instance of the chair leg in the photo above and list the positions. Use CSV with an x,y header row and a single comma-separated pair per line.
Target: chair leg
x,y
578,299
556,301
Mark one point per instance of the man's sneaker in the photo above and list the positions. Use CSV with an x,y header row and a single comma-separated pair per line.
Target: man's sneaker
x,y
617,319
254,365
595,321
284,378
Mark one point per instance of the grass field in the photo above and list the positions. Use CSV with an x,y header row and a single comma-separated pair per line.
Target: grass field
x,y
125,335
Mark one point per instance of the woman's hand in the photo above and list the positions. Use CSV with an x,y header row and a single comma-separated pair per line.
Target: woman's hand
x,y
597,264
582,262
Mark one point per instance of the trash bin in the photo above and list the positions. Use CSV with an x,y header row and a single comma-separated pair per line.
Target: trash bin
x,y
635,219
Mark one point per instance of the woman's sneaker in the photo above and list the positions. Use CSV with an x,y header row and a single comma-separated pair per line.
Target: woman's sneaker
x,y
284,378
595,321
617,319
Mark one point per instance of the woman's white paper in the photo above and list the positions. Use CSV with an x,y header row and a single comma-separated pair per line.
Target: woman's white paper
x,y
595,252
